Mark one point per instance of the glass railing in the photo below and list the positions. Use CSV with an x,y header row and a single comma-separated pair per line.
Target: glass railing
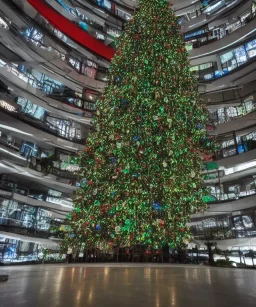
x,y
231,61
54,197
46,84
203,37
221,197
48,166
226,114
216,233
233,145
84,67
89,25
14,214
59,127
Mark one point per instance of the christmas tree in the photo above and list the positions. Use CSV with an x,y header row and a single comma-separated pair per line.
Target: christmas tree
x,y
141,169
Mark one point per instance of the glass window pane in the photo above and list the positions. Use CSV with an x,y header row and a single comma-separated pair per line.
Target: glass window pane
x,y
251,48
241,56
228,61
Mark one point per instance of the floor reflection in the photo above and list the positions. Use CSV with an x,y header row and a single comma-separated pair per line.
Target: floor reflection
x,y
163,286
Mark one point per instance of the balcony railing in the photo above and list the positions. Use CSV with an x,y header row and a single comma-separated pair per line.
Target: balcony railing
x,y
221,233
56,168
222,31
59,199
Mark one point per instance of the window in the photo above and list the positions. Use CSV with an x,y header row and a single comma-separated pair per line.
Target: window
x,y
243,222
91,96
3,24
24,246
226,144
249,104
221,115
113,32
29,150
89,71
251,48
31,109
54,193
228,61
195,71
104,3
83,25
240,54
199,32
76,102
64,128
123,14
205,66
232,112
43,219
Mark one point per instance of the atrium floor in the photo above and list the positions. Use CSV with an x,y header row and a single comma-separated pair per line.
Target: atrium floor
x,y
136,285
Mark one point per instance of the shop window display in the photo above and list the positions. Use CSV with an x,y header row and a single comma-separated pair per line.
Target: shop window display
x,y
63,127
222,115
228,61
251,48
85,67
31,109
243,222
193,34
249,104
43,219
16,214
240,54
123,14
104,3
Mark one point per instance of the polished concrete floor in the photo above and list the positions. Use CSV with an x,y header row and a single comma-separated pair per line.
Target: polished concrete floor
x,y
127,285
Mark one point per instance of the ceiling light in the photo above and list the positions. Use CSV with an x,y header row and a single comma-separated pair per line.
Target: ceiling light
x,y
5,105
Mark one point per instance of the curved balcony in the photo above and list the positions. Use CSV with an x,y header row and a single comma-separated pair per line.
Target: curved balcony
x,y
237,97
218,80
30,88
29,154
213,11
71,30
14,244
51,181
53,63
227,221
18,218
26,126
238,123
95,29
217,43
114,12
50,44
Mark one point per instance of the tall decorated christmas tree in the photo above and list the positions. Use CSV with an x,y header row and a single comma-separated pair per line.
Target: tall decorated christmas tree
x,y
140,172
